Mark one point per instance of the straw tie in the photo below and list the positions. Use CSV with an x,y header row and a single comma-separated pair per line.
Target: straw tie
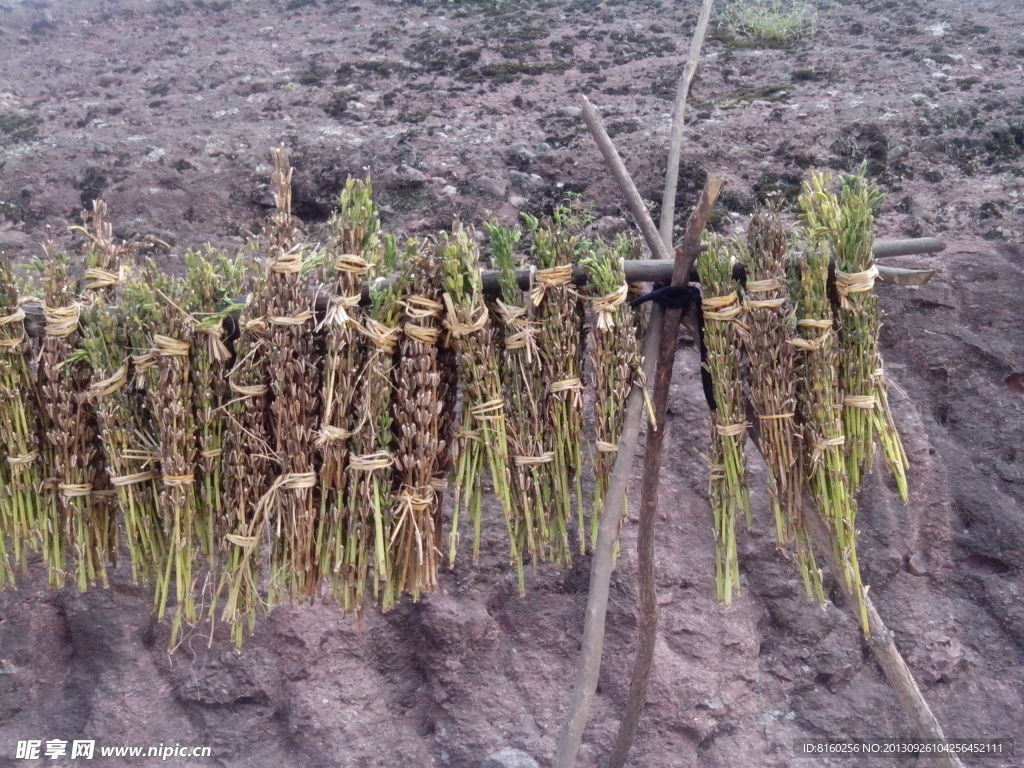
x,y
251,390
352,262
865,402
489,411
11,345
732,430
548,279
339,309
604,446
605,306
22,462
329,435
459,327
95,278
61,322
74,490
165,346
410,502
381,336
534,461
371,462
293,321
122,481
178,481
288,262
854,282
219,351
422,308
724,309
822,445
573,385
809,345
110,385
523,332
763,286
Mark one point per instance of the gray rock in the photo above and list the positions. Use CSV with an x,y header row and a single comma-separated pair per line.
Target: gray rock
x,y
526,182
509,757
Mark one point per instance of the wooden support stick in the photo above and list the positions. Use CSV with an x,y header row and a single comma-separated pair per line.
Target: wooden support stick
x,y
881,642
602,562
647,623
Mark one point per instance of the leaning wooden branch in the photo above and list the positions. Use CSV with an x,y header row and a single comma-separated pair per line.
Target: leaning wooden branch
x,y
685,257
675,151
601,565
648,600
926,726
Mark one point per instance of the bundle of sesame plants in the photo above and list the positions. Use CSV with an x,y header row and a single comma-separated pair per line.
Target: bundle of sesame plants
x,y
74,521
723,339
165,373
616,358
343,534
414,552
819,406
529,437
768,315
20,466
248,465
844,220
213,285
560,341
291,504
484,432
370,467
122,412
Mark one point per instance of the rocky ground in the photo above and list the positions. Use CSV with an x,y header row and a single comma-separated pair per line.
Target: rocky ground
x,y
167,110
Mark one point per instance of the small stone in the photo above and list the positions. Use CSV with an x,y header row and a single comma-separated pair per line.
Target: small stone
x,y
490,186
917,564
409,175
526,182
509,757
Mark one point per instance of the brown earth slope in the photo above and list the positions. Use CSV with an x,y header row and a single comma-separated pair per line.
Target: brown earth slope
x,y
168,109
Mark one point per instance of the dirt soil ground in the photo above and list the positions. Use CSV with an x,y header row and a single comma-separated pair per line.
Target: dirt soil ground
x,y
168,109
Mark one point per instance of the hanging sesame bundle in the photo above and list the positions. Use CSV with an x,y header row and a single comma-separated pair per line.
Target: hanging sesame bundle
x,y
616,359
213,284
167,374
819,409
72,521
247,464
845,221
773,382
354,237
560,343
294,409
525,396
20,466
414,546
129,444
370,467
483,435
722,337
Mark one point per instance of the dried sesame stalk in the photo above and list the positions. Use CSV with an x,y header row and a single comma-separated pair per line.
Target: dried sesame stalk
x,y
213,284
484,432
844,220
773,383
819,408
560,342
529,436
129,445
73,522
354,237
722,338
19,452
616,359
413,547
370,498
168,376
247,464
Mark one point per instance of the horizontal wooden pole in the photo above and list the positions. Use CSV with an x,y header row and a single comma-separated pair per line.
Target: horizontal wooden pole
x,y
660,270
